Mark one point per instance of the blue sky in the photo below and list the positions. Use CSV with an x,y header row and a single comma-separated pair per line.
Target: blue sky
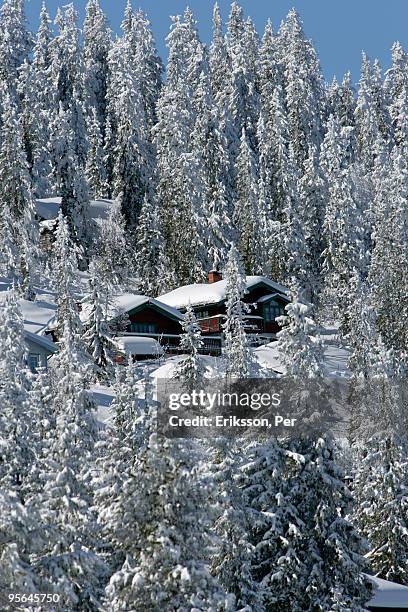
x,y
340,29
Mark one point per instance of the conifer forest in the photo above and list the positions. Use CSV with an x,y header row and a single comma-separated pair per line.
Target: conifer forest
x,y
225,213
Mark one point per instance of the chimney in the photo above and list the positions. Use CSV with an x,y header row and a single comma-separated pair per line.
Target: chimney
x,y
214,276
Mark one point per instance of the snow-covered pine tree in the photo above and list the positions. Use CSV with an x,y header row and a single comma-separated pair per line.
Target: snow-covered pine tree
x,y
19,540
96,335
64,272
311,214
371,117
219,60
304,92
233,561
242,85
333,550
67,559
341,101
274,526
95,168
240,361
15,41
111,254
133,89
381,452
153,269
246,211
69,176
388,272
190,370
17,205
343,221
210,147
149,64
164,504
331,577
276,181
298,341
97,42
17,450
38,107
117,451
67,70
180,187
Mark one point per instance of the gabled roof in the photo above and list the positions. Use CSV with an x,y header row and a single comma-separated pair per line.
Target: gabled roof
x,y
41,341
201,294
130,302
271,296
36,315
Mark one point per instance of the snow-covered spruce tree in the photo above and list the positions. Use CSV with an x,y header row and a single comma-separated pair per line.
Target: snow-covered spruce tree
x,y
132,155
117,450
67,559
240,361
97,42
18,540
274,526
380,483
210,147
343,222
96,335
311,213
17,205
64,272
304,92
232,562
341,101
38,107
298,340
152,267
69,176
164,504
371,117
133,89
246,212
331,577
388,272
67,69
219,61
190,369
95,168
180,188
242,82
17,449
111,254
15,41
276,182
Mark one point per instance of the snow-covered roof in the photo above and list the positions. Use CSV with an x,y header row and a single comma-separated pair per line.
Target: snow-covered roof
x,y
132,345
37,315
211,293
42,341
48,208
388,594
129,301
270,296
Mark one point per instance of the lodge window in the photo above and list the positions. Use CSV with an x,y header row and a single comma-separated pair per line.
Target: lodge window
x,y
202,314
272,310
143,328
